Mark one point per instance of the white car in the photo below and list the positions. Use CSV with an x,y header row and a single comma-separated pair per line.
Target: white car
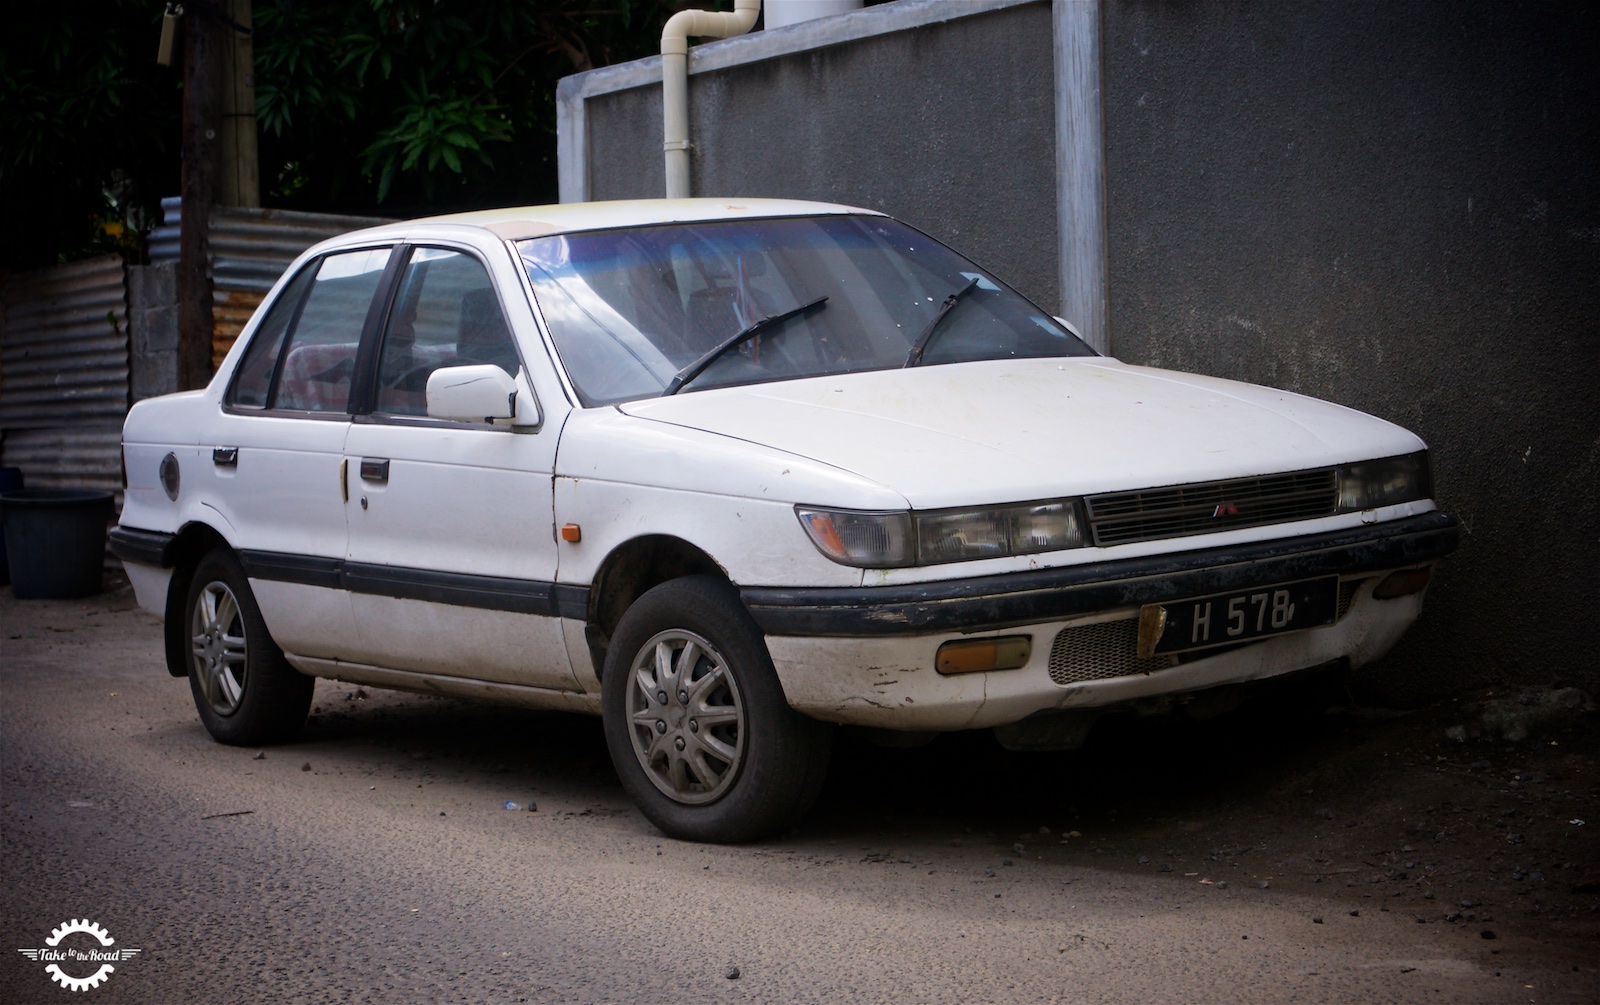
x,y
729,473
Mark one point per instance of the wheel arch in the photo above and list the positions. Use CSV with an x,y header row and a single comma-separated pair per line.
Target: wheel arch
x,y
193,542
632,568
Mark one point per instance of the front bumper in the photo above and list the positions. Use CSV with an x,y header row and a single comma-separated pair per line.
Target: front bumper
x,y
867,656
992,602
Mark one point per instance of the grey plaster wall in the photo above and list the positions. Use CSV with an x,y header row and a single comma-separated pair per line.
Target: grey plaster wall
x,y
1392,204
950,127
1395,206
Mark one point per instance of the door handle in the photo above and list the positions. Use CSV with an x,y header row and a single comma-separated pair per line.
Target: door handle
x,y
375,469
225,457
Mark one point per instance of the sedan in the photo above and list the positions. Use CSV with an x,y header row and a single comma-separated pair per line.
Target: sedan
x,y
731,475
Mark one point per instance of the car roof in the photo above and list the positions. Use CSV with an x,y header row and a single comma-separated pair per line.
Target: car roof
x,y
539,221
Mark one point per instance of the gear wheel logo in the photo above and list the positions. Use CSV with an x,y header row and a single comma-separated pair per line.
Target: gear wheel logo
x,y
75,925
54,954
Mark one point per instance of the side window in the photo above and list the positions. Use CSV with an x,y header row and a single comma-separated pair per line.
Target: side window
x,y
321,355
303,355
445,314
253,383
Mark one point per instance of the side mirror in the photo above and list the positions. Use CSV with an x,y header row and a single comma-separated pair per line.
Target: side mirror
x,y
482,393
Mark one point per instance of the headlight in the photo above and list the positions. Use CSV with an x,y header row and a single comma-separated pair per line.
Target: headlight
x,y
888,540
956,537
996,533
1371,484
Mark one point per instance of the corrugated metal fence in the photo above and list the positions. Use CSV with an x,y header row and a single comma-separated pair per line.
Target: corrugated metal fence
x,y
64,373
64,382
250,249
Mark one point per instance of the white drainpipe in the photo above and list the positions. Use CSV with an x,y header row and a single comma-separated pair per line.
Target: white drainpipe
x,y
675,79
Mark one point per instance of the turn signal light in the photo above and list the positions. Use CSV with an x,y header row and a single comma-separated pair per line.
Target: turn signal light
x,y
1403,583
980,655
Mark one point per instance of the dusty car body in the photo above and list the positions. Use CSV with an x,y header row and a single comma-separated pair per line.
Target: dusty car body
x,y
727,473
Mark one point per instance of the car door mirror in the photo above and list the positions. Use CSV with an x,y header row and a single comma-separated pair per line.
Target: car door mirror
x,y
525,414
1068,325
482,393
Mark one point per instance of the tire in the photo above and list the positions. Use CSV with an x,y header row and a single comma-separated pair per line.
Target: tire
x,y
246,692
719,756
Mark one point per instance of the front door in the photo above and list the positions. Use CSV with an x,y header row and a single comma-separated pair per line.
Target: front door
x,y
451,558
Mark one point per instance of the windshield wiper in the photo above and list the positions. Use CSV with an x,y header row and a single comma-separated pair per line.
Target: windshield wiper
x,y
743,335
915,355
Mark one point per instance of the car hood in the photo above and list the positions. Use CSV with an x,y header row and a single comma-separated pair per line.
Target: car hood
x,y
1013,430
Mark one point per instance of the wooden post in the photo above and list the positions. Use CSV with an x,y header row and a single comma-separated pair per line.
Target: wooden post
x,y
240,170
202,70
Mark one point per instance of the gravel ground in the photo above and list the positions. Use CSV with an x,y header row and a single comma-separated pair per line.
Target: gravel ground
x,y
1285,852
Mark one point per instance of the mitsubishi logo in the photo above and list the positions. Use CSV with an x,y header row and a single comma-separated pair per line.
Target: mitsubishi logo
x,y
1224,509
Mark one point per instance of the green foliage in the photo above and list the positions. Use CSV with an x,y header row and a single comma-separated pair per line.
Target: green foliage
x,y
432,130
390,107
88,129
395,106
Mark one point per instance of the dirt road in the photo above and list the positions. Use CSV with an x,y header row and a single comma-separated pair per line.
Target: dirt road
x,y
1267,856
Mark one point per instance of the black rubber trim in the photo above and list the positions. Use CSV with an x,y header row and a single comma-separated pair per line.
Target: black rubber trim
x,y
456,589
490,593
305,570
571,601
992,602
145,547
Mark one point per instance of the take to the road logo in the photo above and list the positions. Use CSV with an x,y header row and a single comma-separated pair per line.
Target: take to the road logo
x,y
95,962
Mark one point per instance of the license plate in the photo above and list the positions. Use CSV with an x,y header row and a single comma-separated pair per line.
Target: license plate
x,y
1224,618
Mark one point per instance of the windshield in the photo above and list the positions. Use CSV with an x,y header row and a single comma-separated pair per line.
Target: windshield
x,y
630,309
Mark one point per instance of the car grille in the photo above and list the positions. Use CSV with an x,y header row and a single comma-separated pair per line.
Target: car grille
x,y
1347,596
1108,649
1101,651
1207,507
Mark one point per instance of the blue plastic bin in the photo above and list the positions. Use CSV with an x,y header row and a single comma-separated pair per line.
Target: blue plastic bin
x,y
55,541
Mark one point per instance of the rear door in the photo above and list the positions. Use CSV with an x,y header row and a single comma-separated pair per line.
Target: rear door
x,y
275,466
451,557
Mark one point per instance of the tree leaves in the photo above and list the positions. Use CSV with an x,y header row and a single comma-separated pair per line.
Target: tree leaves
x,y
400,103
389,107
432,130
88,129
